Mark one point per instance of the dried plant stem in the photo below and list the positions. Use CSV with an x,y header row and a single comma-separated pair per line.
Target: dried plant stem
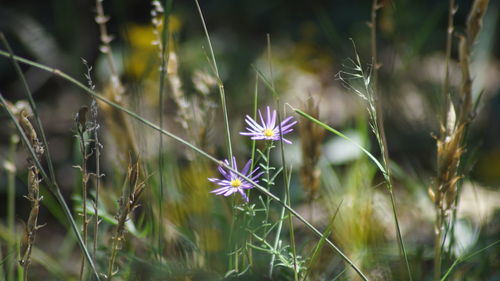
x,y
81,130
33,196
451,143
449,42
117,91
93,130
373,30
101,19
186,143
129,200
380,130
446,100
311,137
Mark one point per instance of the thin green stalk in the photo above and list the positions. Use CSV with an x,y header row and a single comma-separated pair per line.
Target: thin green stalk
x,y
184,142
223,105
373,28
220,84
11,203
287,192
85,177
321,242
255,105
377,118
97,147
278,231
163,70
283,162
462,259
232,264
268,179
2,261
398,228
438,245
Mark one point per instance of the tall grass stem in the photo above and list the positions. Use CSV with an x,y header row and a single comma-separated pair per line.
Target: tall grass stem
x,y
11,204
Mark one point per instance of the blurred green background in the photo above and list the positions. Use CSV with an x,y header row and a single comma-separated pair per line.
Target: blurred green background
x,y
311,44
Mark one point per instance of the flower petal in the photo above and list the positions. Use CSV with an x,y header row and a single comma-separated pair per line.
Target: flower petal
x,y
252,123
247,167
230,191
243,195
262,119
219,190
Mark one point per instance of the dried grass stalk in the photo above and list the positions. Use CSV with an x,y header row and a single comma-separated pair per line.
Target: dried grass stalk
x,y
311,137
33,196
82,129
451,145
128,202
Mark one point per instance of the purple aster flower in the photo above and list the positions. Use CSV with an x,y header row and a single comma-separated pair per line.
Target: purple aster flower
x,y
233,183
268,130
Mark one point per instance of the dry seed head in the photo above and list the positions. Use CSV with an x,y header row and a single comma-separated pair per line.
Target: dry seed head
x,y
311,142
431,194
81,117
203,82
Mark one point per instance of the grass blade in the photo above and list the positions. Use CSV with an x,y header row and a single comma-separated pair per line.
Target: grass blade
x,y
332,130
321,242
462,259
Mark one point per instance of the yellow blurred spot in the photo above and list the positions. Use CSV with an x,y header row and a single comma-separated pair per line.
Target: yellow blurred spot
x,y
144,51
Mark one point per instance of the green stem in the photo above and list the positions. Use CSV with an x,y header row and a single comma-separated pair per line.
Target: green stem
x,y
163,70
11,204
220,84
255,104
83,151
462,259
277,239
438,245
269,146
97,148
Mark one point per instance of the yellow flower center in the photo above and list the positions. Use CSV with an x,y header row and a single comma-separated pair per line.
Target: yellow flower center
x,y
268,133
235,183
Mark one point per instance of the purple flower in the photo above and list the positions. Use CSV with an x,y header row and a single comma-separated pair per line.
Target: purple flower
x,y
268,130
233,183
